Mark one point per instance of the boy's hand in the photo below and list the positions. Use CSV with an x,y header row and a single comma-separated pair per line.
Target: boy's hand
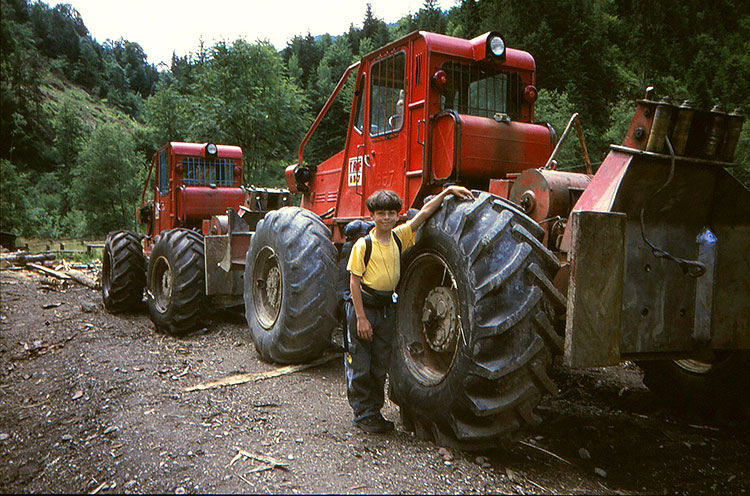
x,y
364,329
460,192
431,206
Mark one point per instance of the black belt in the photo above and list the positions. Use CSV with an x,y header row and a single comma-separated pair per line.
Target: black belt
x,y
374,298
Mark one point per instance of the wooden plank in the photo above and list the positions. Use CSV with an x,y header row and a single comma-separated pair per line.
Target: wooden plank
x,y
594,314
259,376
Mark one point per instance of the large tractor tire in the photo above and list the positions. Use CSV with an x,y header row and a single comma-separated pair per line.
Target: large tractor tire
x,y
176,282
290,286
717,388
474,324
123,272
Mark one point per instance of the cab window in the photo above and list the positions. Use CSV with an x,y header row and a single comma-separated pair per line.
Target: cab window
x,y
387,94
163,173
360,110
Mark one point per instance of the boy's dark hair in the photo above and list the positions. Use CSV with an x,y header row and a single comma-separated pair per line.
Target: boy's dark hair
x,y
383,199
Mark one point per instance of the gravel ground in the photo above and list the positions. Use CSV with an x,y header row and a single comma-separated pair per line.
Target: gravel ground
x,y
93,402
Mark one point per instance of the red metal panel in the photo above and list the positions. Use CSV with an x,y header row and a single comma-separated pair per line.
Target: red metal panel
x,y
443,147
600,193
468,49
491,149
201,202
323,194
198,150
500,187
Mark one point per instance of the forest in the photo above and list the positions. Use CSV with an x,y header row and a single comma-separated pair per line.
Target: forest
x,y
81,118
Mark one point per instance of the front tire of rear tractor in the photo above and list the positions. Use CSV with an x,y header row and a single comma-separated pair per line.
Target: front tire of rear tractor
x,y
123,272
176,282
474,327
716,388
290,286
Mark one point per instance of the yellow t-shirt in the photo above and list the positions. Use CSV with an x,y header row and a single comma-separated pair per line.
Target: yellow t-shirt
x,y
384,269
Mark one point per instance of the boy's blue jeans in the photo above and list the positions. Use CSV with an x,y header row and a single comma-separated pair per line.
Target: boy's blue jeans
x,y
367,362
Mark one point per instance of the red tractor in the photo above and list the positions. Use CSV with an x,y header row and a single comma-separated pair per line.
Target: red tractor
x,y
645,260
176,260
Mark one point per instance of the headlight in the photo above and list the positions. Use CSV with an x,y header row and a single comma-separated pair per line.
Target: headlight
x,y
497,45
211,149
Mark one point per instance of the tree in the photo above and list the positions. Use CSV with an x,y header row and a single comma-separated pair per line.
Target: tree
x,y
308,54
243,96
330,135
106,179
14,199
430,17
166,113
21,70
374,29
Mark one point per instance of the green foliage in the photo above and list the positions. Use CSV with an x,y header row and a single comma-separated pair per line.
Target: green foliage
x,y
79,118
330,136
106,180
557,109
14,199
167,113
430,18
242,96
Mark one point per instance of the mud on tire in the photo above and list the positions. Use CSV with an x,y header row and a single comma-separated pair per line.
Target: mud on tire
x,y
123,272
176,282
290,286
475,336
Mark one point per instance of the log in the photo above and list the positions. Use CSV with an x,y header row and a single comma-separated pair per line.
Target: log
x,y
82,278
20,257
41,268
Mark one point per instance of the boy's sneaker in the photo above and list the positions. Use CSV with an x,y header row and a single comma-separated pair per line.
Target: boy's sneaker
x,y
374,424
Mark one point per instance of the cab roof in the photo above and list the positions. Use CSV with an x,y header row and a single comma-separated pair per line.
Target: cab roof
x,y
459,47
199,149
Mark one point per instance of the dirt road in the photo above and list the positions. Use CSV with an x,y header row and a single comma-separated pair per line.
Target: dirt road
x,y
93,402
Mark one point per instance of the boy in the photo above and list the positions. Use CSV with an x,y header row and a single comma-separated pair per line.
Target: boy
x,y
370,312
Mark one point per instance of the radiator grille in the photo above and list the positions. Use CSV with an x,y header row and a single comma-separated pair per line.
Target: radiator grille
x,y
199,171
482,91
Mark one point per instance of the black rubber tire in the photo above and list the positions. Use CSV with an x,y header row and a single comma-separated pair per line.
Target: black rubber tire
x,y
717,390
498,370
291,321
123,272
176,293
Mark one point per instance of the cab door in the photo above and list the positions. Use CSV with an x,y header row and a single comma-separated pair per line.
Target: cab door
x,y
162,204
352,199
386,136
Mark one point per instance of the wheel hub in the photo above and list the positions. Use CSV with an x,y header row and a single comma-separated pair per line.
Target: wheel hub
x,y
267,291
440,319
163,284
108,272
273,284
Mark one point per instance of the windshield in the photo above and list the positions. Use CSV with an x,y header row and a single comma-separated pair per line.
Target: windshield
x,y
482,91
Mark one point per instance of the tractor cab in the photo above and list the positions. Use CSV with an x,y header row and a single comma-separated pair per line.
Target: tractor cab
x,y
192,183
428,110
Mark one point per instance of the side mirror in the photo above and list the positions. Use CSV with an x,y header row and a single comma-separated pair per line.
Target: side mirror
x,y
146,213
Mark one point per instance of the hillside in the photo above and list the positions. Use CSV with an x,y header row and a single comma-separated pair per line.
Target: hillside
x,y
70,103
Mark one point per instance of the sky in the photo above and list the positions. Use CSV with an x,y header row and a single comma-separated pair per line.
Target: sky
x,y
164,26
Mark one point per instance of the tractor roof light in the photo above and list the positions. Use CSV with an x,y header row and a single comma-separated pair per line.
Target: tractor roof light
x,y
211,149
496,46
440,80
